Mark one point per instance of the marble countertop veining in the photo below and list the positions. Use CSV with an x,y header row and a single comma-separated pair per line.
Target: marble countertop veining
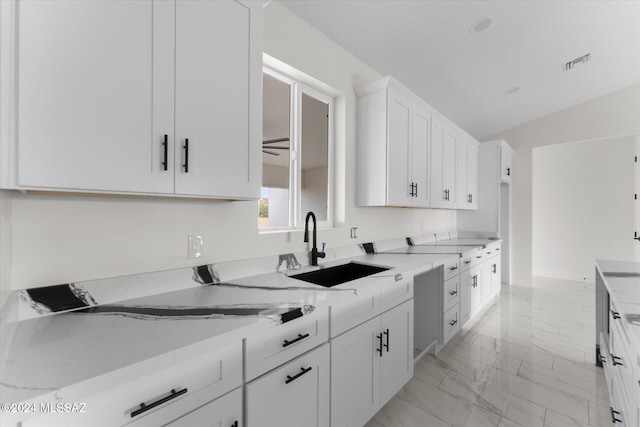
x,y
78,353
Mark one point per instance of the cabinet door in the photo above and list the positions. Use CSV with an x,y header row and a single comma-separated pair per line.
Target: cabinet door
x,y
95,95
397,355
475,297
465,296
505,164
443,166
296,394
399,134
222,412
485,281
462,190
355,375
218,90
472,177
420,164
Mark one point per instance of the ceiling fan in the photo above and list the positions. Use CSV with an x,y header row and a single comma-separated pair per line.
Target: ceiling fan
x,y
267,142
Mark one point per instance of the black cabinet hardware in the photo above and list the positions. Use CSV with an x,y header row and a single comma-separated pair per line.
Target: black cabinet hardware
x,y
495,268
602,359
497,249
474,281
295,377
235,424
387,344
615,360
379,350
452,293
468,261
508,171
300,338
615,314
416,194
186,156
453,268
613,416
144,407
165,148
470,198
479,256
453,322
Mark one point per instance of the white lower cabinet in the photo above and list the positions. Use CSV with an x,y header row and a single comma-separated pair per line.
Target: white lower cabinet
x,y
370,364
475,289
296,394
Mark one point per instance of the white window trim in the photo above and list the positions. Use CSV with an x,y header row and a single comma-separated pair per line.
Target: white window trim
x,y
296,216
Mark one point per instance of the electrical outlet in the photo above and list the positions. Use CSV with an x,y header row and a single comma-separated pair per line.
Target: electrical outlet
x,y
196,246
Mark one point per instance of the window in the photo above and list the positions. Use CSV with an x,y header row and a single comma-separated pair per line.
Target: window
x,y
297,132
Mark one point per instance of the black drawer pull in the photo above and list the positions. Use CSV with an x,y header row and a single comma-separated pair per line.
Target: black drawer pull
x,y
455,267
497,249
495,268
387,344
452,293
379,350
165,148
615,360
186,156
479,256
613,416
144,407
468,261
453,322
615,314
295,377
300,338
508,171
602,359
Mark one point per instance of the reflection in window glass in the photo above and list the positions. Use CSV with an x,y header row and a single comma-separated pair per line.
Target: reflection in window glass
x,y
315,157
274,201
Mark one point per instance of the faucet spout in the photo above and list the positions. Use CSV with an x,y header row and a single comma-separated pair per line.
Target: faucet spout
x,y
314,255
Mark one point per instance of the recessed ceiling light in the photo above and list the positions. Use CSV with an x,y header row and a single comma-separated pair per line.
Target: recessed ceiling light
x,y
512,90
480,25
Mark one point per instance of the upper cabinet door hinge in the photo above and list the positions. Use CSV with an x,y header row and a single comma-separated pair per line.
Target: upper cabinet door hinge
x,y
635,236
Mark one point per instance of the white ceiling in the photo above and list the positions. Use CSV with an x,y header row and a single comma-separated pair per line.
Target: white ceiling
x,y
427,46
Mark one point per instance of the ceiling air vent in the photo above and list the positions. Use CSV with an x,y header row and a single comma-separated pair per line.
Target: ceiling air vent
x,y
581,60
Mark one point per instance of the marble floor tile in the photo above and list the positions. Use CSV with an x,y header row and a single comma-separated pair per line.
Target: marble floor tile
x,y
400,413
526,360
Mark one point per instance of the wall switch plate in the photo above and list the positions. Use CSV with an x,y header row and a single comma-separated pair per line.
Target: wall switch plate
x,y
196,246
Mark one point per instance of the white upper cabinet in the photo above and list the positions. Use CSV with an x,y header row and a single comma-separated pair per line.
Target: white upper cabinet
x,y
100,84
218,92
393,146
443,165
506,155
467,170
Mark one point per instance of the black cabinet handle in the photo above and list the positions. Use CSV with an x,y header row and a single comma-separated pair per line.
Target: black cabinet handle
x,y
452,293
144,407
468,261
497,249
186,155
479,256
295,377
508,171
613,416
495,268
387,344
453,322
615,360
165,148
615,314
379,350
416,194
300,338
602,359
455,267
470,198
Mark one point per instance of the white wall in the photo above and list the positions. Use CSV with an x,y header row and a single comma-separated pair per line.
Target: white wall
x,y
615,114
49,239
582,206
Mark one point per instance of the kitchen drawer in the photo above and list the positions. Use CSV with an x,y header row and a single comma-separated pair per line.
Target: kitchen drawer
x,y
466,262
296,394
478,257
450,324
451,294
183,387
355,311
395,291
451,267
284,342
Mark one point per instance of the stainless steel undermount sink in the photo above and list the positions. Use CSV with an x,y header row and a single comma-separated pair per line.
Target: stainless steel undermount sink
x,y
332,276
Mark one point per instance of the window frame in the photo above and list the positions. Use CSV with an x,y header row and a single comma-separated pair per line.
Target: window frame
x,y
298,88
